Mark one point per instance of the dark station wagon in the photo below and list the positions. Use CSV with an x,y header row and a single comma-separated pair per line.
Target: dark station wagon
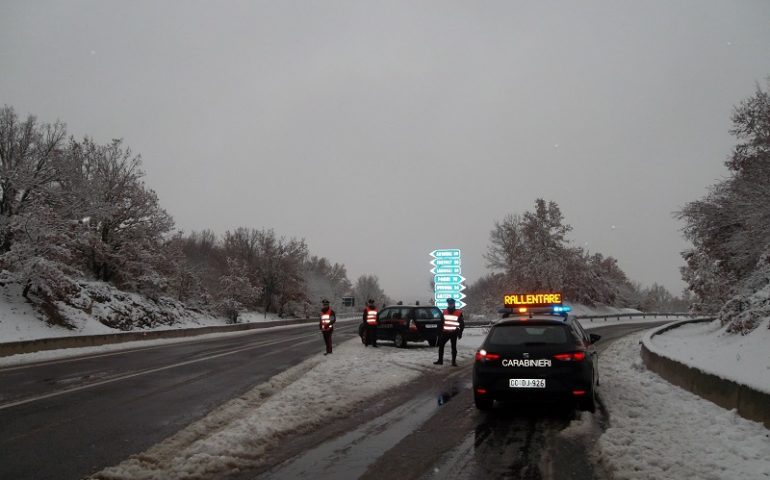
x,y
407,323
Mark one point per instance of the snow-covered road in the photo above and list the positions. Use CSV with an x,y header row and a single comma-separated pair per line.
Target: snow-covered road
x,y
656,430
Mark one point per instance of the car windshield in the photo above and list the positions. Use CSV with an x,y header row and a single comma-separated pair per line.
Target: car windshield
x,y
428,314
527,335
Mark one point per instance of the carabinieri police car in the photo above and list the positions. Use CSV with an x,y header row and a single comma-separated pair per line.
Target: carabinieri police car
x,y
536,353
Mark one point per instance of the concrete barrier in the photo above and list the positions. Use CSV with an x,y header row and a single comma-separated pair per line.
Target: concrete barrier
x,y
79,341
749,403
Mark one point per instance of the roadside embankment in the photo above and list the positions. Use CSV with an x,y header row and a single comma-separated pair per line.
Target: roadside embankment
x,y
747,401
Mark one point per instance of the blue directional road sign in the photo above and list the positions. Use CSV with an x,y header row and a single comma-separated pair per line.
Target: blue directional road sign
x,y
446,262
448,279
446,253
448,295
446,271
458,304
448,287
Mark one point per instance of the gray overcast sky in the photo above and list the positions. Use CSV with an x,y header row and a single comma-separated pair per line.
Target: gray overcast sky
x,y
379,131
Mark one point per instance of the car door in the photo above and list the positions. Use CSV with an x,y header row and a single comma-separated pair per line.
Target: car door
x,y
385,323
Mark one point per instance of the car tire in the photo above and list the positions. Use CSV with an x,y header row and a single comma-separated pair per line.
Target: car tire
x,y
433,342
399,340
484,403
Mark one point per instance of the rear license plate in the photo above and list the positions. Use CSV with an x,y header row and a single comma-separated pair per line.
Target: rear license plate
x,y
526,383
431,325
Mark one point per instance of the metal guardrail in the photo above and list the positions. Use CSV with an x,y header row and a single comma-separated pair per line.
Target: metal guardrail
x,y
618,316
606,317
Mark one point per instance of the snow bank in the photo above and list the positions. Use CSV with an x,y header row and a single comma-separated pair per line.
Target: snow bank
x,y
663,432
743,359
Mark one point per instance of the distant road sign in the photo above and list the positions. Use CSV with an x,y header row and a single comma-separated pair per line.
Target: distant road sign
x,y
446,262
446,253
446,270
448,279
458,304
448,295
449,287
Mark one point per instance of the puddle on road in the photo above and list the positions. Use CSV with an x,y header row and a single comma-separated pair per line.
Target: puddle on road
x,y
348,456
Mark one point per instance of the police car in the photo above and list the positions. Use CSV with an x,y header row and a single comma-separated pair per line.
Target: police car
x,y
536,353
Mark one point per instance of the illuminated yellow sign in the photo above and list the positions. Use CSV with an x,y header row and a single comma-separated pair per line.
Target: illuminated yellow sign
x,y
532,299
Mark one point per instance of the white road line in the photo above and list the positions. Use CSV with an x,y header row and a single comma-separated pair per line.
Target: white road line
x,y
146,372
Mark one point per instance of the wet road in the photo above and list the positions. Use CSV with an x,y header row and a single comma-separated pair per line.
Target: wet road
x,y
66,419
436,432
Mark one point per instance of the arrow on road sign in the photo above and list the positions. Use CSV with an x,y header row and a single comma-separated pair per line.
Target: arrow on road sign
x,y
442,304
448,279
448,295
446,253
446,271
446,262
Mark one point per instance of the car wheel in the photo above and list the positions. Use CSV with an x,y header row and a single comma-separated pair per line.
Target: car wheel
x,y
432,342
399,340
483,403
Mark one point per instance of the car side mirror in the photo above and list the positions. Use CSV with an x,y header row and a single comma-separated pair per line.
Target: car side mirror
x,y
594,338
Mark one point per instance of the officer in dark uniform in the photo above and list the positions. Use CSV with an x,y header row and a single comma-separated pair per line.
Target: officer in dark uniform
x,y
370,324
326,324
451,329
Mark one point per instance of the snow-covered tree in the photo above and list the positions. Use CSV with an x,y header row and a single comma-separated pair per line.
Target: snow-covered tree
x,y
275,263
730,227
127,228
533,253
368,287
323,280
237,290
29,167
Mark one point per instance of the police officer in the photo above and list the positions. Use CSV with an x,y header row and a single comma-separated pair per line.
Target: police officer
x,y
370,324
326,324
451,329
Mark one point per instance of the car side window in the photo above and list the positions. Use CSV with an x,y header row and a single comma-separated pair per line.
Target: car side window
x,y
384,314
580,335
405,313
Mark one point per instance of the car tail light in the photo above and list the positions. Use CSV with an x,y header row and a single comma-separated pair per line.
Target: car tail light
x,y
571,357
412,327
481,391
578,393
483,356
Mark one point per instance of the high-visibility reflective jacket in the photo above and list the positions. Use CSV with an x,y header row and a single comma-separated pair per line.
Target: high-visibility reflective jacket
x,y
327,319
370,316
453,320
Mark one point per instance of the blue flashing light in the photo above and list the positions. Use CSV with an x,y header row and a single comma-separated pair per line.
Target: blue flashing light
x,y
561,309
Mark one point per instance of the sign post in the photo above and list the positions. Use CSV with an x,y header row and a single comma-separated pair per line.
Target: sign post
x,y
447,277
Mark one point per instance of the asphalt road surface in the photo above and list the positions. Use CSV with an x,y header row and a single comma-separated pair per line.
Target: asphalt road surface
x,y
66,419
